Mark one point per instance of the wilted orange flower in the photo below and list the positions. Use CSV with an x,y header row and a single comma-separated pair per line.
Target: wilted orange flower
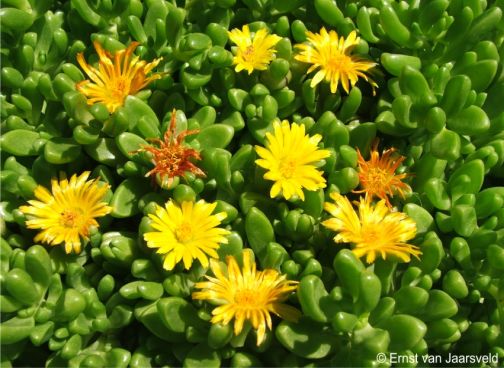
x,y
172,158
117,76
377,176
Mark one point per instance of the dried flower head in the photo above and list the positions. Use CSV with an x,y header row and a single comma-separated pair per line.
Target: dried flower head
x,y
171,158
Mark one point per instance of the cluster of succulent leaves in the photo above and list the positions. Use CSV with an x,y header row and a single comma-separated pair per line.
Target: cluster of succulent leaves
x,y
440,102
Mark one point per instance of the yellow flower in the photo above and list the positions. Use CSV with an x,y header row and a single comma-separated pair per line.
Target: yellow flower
x,y
115,79
66,213
377,176
290,156
333,56
253,52
186,233
375,230
247,295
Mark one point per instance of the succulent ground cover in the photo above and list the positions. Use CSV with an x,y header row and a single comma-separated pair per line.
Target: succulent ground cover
x,y
251,183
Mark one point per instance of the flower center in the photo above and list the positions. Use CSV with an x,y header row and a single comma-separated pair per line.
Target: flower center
x,y
287,168
339,62
376,179
184,232
246,298
371,235
248,54
174,157
69,218
375,235
119,91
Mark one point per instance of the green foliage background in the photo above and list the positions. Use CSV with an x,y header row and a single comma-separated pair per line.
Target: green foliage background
x,y
440,102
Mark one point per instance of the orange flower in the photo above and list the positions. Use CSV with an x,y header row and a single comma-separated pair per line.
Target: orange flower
x,y
172,158
117,76
377,176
